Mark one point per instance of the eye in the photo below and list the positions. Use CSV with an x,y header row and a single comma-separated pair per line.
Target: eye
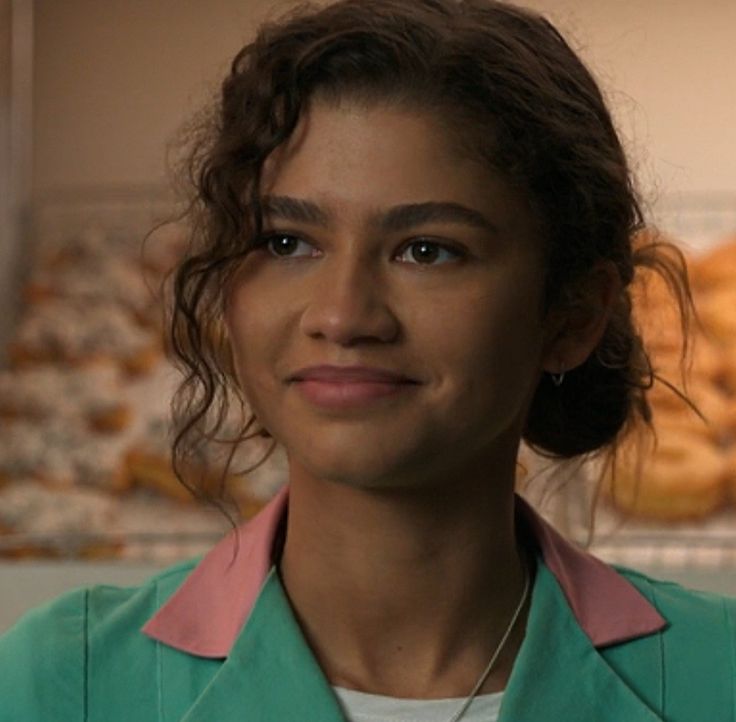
x,y
285,245
427,253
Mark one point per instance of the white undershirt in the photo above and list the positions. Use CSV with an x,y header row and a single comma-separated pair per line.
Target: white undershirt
x,y
362,707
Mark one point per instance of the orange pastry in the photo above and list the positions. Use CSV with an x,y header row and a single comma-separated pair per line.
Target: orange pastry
x,y
717,267
717,312
683,477
671,411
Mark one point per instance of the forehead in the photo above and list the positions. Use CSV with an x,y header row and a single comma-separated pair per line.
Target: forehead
x,y
346,132
352,157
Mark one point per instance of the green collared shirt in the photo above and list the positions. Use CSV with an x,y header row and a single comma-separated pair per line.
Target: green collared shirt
x,y
82,658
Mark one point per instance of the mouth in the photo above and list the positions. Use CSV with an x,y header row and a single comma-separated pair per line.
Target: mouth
x,y
351,375
343,388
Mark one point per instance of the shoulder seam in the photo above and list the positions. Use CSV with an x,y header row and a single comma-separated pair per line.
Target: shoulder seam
x,y
183,567
732,647
85,636
159,661
652,594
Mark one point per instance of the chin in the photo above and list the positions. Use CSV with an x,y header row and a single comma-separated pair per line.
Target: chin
x,y
369,471
346,472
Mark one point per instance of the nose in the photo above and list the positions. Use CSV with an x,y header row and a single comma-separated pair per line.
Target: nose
x,y
349,302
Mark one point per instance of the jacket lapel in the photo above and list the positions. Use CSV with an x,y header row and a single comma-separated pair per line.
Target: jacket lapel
x,y
559,674
270,674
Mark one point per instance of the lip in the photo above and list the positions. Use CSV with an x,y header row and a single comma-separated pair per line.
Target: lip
x,y
342,388
351,374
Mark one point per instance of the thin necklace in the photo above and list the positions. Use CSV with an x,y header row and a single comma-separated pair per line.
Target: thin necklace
x,y
498,650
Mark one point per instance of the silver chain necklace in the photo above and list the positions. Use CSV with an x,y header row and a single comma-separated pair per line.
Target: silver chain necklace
x,y
464,707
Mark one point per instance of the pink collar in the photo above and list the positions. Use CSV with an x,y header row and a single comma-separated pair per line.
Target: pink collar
x,y
204,616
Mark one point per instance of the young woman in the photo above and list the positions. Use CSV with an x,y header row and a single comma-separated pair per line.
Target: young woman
x,y
412,248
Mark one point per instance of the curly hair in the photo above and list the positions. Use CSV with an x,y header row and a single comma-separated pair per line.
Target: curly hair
x,y
511,90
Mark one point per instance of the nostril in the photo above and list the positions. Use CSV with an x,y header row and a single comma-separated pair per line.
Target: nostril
x,y
348,318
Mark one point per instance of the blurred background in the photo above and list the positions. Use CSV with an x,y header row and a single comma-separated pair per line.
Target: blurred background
x,y
93,96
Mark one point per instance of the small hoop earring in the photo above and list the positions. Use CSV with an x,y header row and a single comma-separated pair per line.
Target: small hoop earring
x,y
557,379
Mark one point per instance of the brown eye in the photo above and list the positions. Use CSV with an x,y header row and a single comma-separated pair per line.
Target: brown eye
x,y
428,252
424,252
284,245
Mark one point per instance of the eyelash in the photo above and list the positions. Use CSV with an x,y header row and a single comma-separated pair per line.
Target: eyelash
x,y
264,241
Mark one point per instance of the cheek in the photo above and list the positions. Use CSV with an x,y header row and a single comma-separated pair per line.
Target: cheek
x,y
252,315
247,321
498,327
262,323
490,350
248,308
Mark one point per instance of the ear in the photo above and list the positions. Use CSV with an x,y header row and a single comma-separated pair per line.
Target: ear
x,y
575,328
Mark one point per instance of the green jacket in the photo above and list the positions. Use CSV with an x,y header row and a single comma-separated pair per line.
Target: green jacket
x,y
84,656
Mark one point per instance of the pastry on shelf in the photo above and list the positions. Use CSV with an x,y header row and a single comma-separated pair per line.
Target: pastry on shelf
x,y
80,335
62,455
156,528
731,474
38,450
149,466
715,268
36,521
681,476
106,280
104,418
717,315
671,410
96,396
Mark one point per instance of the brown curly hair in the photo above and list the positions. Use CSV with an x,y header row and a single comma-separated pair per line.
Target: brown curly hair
x,y
511,89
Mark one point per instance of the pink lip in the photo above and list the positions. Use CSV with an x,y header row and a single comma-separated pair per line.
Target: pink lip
x,y
345,374
345,387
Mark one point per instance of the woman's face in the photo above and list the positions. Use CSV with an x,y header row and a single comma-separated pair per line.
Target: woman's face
x,y
388,249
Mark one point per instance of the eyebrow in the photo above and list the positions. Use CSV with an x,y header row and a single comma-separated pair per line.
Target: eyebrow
x,y
397,218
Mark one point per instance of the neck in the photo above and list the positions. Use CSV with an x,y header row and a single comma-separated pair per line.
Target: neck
x,y
404,593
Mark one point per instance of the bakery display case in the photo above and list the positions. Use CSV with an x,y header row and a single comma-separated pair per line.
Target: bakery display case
x,y
85,400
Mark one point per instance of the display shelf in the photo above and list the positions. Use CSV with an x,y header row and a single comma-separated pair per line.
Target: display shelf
x,y
707,544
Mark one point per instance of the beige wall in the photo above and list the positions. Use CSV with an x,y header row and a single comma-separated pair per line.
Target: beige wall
x,y
670,70
16,33
115,78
